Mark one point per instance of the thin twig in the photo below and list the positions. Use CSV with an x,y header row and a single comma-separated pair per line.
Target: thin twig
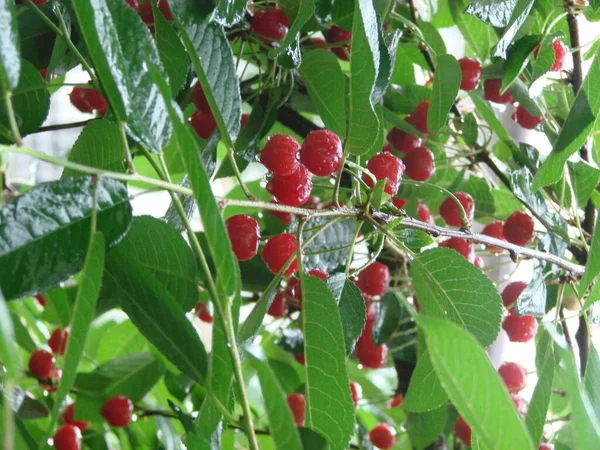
x,y
63,126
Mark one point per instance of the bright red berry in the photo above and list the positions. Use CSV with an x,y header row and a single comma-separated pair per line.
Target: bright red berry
x,y
244,120
356,392
58,341
337,35
514,376
511,293
525,119
202,312
318,42
416,303
419,164
133,4
41,364
67,437
491,92
471,73
293,189
424,214
518,229
299,357
450,211
163,7
398,202
279,306
244,234
519,402
280,154
88,100
494,229
385,166
297,404
396,401
478,262
41,300
203,123
560,52
374,279
67,417
402,141
321,152
278,250
117,411
199,98
418,118
383,436
462,246
370,356
546,446
519,329
462,431
270,23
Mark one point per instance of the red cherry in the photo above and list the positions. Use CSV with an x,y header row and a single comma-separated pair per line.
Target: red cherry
x,y
312,202
383,436
337,35
203,123
371,307
279,306
546,446
54,379
418,118
419,164
356,392
280,154
293,189
424,214
41,364
133,4
374,279
67,417
398,202
478,262
511,293
41,300
58,341
270,24
297,404
514,376
494,229
518,229
285,217
244,120
199,98
396,401
244,234
416,303
201,311
462,246
39,2
471,73
164,8
385,166
462,431
370,357
525,119
278,250
450,211
321,152
318,42
402,141
519,329
520,403
299,357
491,92
67,437
560,52
117,411
87,100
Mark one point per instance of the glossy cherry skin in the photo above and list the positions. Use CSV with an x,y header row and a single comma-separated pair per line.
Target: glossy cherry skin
x,y
385,166
525,119
514,376
244,234
402,141
491,92
279,306
270,24
355,392
336,35
58,341
396,401
285,217
201,311
41,364
67,417
293,189
560,51
518,229
117,411
383,436
297,404
199,98
370,356
519,329
299,357
67,437
450,211
462,431
203,123
278,250
418,118
41,300
424,214
462,246
88,100
398,202
280,154
419,164
374,279
511,293
494,229
471,73
321,152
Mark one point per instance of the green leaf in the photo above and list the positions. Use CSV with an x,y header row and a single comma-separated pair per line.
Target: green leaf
x,y
485,112
433,38
496,13
590,380
446,84
164,254
50,224
58,307
424,428
473,385
425,393
325,83
540,400
584,178
388,317
171,51
10,61
230,12
414,239
292,340
288,55
477,34
157,315
121,340
517,59
22,336
99,145
352,313
520,92
24,406
83,314
450,287
405,99
575,130
313,440
30,100
212,59
592,268
545,57
282,426
517,18
122,48
479,189
330,411
9,353
364,127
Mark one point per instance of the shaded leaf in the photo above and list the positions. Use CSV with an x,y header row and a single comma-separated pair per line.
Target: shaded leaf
x,y
517,59
584,178
352,313
425,393
388,317
424,428
171,51
446,84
